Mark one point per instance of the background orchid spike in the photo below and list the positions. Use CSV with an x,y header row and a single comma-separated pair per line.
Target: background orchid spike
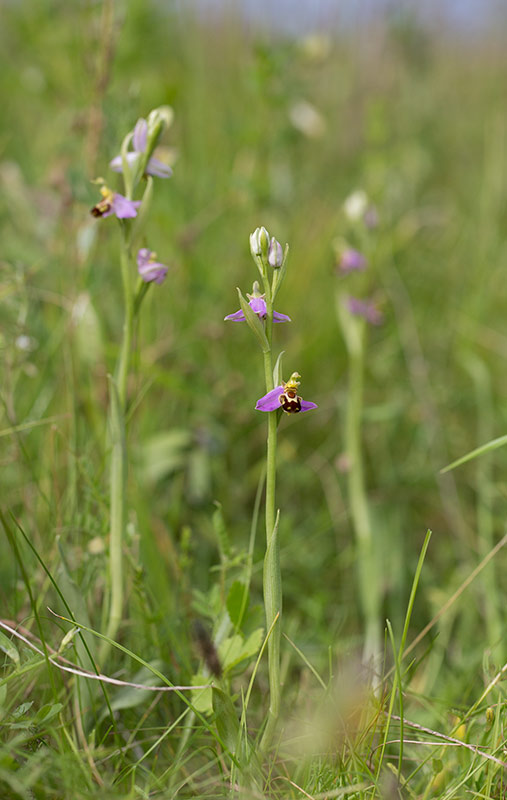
x,y
286,397
149,269
114,203
275,253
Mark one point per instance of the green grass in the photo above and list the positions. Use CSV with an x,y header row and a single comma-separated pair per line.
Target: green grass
x,y
419,122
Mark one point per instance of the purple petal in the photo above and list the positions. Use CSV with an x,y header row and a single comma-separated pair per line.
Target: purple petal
x,y
153,271
148,268
238,316
352,260
258,306
117,164
158,168
365,309
140,137
270,401
143,256
123,208
307,405
277,317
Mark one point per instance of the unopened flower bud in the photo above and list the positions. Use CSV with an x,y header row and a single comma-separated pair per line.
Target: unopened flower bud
x,y
259,242
356,205
275,253
158,119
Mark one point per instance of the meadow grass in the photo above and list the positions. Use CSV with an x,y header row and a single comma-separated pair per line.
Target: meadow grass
x,y
418,121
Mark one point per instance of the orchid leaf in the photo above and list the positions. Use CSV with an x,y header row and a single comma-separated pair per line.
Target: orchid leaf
x,y
237,602
226,719
201,698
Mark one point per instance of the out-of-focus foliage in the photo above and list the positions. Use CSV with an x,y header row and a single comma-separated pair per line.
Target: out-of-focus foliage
x,y
275,131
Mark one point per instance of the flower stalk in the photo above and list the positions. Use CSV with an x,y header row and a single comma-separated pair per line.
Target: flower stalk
x,y
272,577
118,433
354,332
356,313
122,368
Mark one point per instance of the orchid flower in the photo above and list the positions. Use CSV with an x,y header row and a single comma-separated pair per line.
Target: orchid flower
x,y
148,268
257,303
352,260
365,309
114,203
139,143
285,397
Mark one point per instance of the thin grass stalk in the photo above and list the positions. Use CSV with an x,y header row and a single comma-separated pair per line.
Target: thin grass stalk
x,y
398,658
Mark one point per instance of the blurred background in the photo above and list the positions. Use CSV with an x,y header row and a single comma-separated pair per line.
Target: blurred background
x,y
470,15
281,112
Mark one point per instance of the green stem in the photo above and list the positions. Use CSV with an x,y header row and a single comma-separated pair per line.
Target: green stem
x,y
122,368
272,573
118,466
354,333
